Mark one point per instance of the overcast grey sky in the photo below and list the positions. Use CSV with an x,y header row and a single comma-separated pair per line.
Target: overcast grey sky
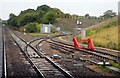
x,y
79,7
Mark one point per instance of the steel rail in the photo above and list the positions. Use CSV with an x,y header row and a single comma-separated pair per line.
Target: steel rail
x,y
28,58
91,52
66,74
4,55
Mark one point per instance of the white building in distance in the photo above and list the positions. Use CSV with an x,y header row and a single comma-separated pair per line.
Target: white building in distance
x,y
45,28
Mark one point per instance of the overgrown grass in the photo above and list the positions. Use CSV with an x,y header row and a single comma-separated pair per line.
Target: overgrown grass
x,y
105,69
105,34
115,64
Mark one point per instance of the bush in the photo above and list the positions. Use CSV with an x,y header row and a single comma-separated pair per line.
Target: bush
x,y
38,27
31,27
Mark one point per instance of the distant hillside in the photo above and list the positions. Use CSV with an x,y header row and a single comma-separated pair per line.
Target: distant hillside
x,y
69,24
44,14
105,34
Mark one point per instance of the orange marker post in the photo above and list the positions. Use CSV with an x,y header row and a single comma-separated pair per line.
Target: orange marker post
x,y
76,44
90,44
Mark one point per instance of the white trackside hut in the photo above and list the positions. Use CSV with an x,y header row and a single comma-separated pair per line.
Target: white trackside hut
x,y
45,28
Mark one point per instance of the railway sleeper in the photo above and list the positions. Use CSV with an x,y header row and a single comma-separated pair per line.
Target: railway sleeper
x,y
105,53
62,48
68,47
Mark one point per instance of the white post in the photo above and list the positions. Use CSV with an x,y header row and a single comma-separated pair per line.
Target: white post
x,y
24,31
83,33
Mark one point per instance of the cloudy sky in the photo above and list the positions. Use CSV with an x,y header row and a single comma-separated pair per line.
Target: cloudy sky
x,y
79,7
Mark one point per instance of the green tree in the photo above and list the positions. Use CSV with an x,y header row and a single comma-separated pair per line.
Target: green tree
x,y
12,21
49,17
26,11
44,8
31,28
12,16
27,18
58,12
109,14
39,15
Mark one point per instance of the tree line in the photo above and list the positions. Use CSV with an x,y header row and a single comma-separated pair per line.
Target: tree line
x,y
42,14
45,14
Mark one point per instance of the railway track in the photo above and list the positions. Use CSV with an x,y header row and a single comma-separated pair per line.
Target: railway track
x,y
68,48
42,64
107,52
15,67
98,53
73,67
3,68
95,57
